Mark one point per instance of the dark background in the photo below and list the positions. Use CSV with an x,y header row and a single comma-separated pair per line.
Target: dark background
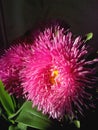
x,y
19,16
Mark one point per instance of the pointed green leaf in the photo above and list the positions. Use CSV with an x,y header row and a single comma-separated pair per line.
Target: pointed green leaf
x,y
89,36
77,123
6,100
33,118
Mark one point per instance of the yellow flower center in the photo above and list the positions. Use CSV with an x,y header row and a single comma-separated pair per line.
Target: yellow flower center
x,y
53,76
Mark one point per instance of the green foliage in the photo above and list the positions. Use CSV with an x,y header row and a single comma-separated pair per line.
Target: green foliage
x,y
6,100
19,126
33,118
25,116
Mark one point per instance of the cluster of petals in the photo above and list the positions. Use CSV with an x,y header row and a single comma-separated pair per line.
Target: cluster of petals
x,y
11,65
55,72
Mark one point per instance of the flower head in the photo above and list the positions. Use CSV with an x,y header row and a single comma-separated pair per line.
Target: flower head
x,y
58,73
10,65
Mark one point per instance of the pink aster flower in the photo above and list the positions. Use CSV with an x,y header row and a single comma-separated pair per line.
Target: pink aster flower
x,y
59,73
10,65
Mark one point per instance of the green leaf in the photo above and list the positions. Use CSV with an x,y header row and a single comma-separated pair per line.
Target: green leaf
x,y
89,36
6,100
33,118
77,123
22,126
19,126
13,128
